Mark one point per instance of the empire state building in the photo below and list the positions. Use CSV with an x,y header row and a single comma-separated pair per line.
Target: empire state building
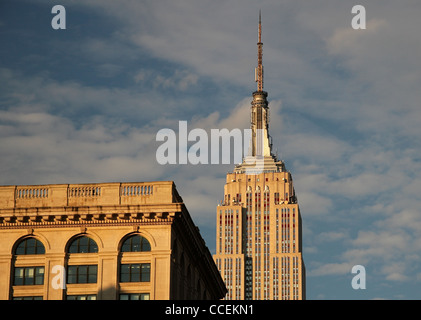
x,y
259,234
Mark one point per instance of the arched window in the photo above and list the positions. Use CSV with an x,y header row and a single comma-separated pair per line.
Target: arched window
x,y
24,273
135,243
30,246
83,245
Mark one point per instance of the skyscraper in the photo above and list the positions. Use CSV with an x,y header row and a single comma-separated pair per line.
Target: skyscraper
x,y
258,234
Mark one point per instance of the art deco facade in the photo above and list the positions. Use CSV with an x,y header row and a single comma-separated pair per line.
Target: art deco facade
x,y
258,235
102,241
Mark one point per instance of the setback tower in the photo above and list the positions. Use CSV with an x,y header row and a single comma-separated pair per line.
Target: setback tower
x,y
258,234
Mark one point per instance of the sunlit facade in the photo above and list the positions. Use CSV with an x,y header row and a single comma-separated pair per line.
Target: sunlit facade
x,y
107,241
258,233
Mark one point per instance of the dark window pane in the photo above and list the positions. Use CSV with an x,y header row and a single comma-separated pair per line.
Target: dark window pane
x,y
92,278
146,272
126,273
72,274
125,247
29,276
145,245
134,296
40,248
82,278
82,274
83,241
125,268
73,247
39,275
83,245
18,281
135,243
81,297
28,298
124,277
20,249
30,246
135,273
93,246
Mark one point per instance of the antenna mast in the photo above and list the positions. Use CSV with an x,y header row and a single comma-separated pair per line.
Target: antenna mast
x,y
259,68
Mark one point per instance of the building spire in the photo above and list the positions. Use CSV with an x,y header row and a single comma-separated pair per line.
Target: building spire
x,y
260,157
259,68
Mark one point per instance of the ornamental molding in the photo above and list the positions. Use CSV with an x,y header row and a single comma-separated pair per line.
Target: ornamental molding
x,y
87,216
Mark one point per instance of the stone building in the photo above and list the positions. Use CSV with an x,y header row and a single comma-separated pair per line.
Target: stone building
x,y
104,241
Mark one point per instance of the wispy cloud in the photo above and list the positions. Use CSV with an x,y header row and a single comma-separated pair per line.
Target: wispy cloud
x,y
85,105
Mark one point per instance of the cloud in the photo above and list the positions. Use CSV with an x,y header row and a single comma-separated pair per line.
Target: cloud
x,y
180,80
346,41
330,269
332,236
50,148
312,203
88,108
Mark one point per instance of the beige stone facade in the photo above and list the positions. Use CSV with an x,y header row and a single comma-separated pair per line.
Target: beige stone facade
x,y
105,241
258,224
259,238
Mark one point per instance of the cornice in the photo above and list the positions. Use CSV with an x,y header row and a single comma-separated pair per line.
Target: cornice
x,y
58,217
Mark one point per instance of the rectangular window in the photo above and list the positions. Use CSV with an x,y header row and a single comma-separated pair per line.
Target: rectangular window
x,y
28,276
135,272
134,296
276,197
82,274
81,297
28,298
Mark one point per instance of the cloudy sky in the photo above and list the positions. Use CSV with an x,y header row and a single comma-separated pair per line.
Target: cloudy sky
x,y
84,104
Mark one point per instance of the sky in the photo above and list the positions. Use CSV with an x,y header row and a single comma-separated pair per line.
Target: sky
x,y
84,105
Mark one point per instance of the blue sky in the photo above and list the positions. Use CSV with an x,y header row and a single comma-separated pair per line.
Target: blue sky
x,y
84,105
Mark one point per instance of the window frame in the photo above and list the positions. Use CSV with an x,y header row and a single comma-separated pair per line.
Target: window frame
x,y
130,296
38,247
75,245
79,297
134,276
36,276
29,298
70,274
144,244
